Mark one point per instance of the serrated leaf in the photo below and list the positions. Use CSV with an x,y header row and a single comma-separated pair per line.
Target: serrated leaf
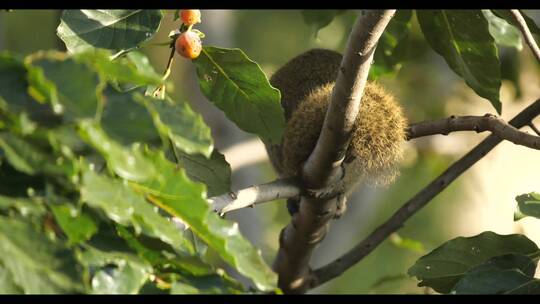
x,y
126,121
7,285
319,19
214,172
78,226
70,86
211,284
141,61
52,270
15,183
126,207
528,205
121,70
127,163
177,121
107,29
238,86
160,257
462,38
29,159
173,192
442,268
503,32
117,272
24,206
14,91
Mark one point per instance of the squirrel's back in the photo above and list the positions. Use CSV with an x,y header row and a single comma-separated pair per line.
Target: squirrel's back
x,y
306,83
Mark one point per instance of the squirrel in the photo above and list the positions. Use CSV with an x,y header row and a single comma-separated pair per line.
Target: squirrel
x,y
306,83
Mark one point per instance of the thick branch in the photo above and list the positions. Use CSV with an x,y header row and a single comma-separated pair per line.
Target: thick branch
x,y
279,189
287,188
522,24
333,141
487,122
309,225
422,198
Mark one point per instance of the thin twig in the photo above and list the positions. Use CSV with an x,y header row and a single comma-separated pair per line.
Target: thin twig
x,y
533,127
524,28
309,225
422,198
167,72
278,189
487,122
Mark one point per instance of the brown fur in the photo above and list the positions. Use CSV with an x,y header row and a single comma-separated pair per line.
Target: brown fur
x,y
306,83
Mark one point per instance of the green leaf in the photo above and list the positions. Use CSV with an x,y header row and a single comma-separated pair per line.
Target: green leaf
x,y
121,70
37,264
24,206
7,285
127,163
406,243
162,258
528,205
511,67
506,15
462,37
391,48
31,160
504,33
124,206
117,272
78,226
185,128
107,29
531,287
498,275
442,268
21,155
70,86
127,121
17,184
214,172
144,66
237,86
173,192
14,91
141,61
491,281
211,284
318,19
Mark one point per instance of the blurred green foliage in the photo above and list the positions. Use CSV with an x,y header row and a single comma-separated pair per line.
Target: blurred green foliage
x,y
271,38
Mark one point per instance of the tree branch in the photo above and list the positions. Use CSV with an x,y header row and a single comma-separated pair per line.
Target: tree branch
x,y
309,225
479,124
287,188
522,24
422,198
326,158
278,189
